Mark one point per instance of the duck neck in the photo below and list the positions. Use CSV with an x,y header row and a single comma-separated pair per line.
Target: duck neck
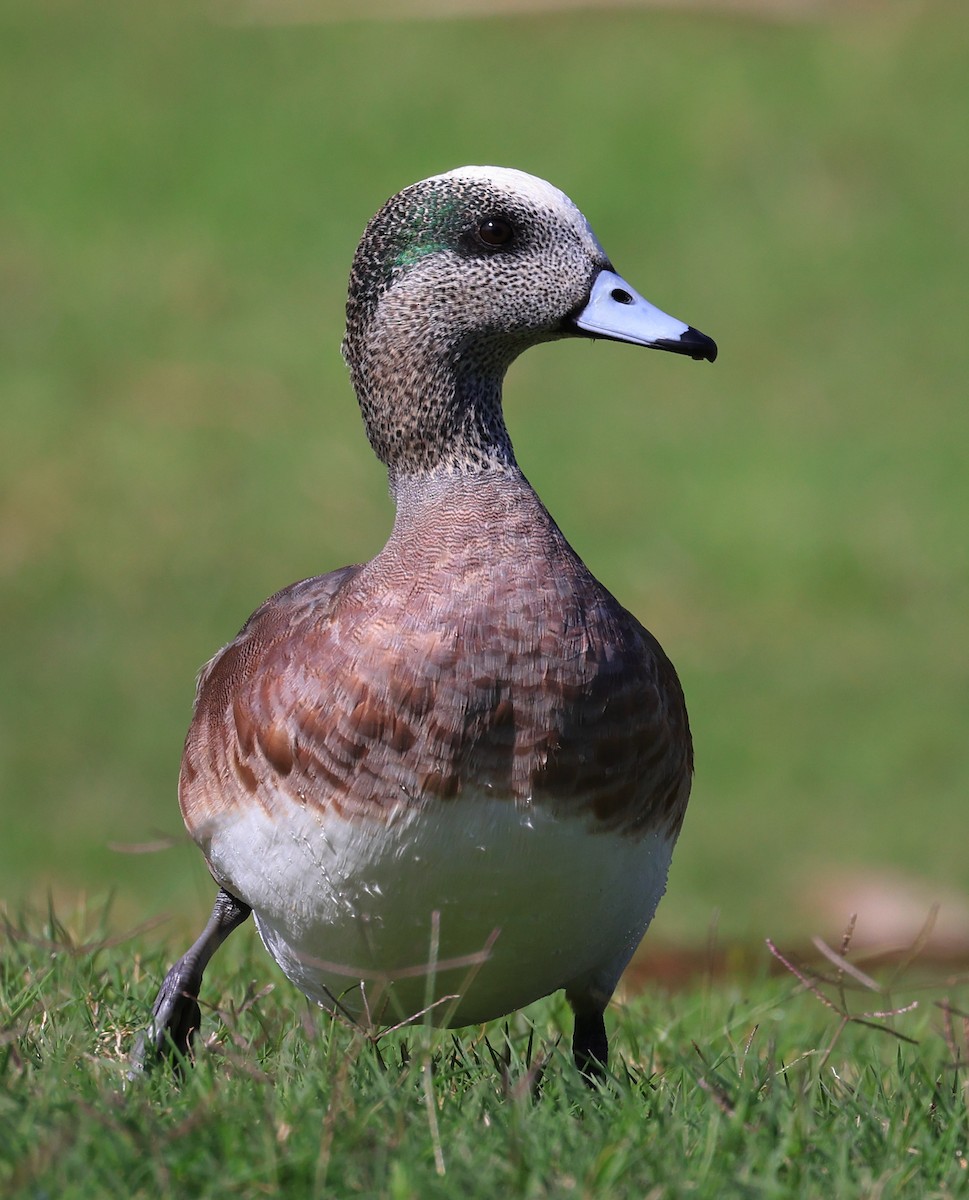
x,y
492,513
431,403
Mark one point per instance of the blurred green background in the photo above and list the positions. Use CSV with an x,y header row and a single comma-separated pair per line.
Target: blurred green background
x,y
181,191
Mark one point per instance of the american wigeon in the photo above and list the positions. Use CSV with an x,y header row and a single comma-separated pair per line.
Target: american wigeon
x,y
450,779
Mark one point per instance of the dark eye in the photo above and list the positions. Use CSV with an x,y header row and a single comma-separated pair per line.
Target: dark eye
x,y
495,232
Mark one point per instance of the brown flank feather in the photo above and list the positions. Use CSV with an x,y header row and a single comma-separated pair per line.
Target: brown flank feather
x,y
475,654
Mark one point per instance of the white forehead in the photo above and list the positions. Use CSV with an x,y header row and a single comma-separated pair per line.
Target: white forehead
x,y
539,192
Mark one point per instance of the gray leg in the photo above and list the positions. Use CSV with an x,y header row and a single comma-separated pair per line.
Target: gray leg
x,y
590,1047
176,1015
589,996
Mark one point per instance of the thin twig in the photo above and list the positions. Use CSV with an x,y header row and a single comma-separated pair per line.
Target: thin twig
x,y
798,974
843,965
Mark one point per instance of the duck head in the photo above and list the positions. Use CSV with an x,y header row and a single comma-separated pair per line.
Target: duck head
x,y
453,278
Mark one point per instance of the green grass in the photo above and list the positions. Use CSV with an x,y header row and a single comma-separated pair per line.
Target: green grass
x,y
721,1091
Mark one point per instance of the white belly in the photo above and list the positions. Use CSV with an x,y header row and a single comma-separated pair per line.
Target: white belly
x,y
370,918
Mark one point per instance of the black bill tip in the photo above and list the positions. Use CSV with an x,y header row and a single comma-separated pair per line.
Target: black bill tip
x,y
692,343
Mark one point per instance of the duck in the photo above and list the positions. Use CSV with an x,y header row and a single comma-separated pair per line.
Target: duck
x,y
448,781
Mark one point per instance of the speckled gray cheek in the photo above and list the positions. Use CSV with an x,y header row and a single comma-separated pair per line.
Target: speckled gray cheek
x,y
433,321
